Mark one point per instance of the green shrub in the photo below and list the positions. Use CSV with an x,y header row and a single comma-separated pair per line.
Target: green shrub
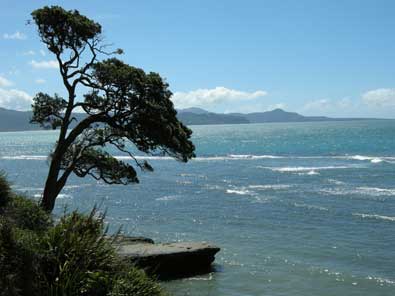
x,y
26,214
19,268
78,258
5,191
135,283
72,257
9,261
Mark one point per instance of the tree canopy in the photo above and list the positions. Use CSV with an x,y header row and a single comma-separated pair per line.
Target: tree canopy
x,y
123,105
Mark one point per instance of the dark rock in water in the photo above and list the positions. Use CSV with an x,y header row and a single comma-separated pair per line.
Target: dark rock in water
x,y
171,260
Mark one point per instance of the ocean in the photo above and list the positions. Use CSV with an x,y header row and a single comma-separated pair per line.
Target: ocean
x,y
297,208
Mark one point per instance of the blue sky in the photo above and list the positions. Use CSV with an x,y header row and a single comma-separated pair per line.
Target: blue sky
x,y
330,57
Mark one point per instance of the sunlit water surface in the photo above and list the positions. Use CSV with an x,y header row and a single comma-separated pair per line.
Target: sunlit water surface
x,y
297,209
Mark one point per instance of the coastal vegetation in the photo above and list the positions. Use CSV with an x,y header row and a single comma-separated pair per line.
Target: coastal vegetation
x,y
72,256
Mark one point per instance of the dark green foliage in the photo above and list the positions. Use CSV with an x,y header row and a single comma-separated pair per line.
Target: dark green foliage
x,y
21,212
19,268
5,191
101,165
25,213
47,110
10,263
140,107
72,257
123,105
78,260
134,282
60,29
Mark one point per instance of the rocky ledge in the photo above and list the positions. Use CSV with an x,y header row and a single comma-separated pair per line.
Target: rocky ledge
x,y
170,260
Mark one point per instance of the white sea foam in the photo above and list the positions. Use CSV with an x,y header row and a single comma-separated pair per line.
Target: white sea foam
x,y
76,186
60,196
182,182
144,157
167,198
337,182
310,207
310,170
374,216
362,191
239,191
270,186
65,196
28,188
369,158
25,157
372,159
381,280
250,156
377,191
207,278
207,158
309,173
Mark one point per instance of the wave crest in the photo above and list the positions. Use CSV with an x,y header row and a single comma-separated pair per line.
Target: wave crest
x,y
374,216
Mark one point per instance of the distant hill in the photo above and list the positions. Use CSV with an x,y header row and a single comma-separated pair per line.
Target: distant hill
x,y
11,120
279,115
195,116
201,116
194,110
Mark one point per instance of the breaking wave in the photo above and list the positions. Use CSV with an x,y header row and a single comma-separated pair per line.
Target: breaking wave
x,y
310,170
369,191
239,191
60,196
25,157
374,216
270,187
372,159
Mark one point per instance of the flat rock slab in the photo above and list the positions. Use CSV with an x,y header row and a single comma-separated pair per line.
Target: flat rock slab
x,y
171,260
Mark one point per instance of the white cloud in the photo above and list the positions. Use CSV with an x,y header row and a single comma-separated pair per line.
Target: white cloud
x,y
16,36
52,64
29,52
276,106
40,81
327,105
381,97
15,99
322,104
209,97
5,82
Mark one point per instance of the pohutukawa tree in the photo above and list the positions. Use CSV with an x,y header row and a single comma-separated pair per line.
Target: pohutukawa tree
x,y
123,105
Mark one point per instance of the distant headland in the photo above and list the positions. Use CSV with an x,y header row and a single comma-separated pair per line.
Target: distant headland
x,y
12,120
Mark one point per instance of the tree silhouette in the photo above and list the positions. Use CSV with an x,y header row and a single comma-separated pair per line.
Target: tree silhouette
x,y
123,105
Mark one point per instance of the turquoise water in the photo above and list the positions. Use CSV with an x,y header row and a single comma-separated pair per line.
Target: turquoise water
x,y
297,208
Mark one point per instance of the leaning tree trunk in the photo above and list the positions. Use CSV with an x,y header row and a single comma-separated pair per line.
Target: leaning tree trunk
x,y
51,189
52,185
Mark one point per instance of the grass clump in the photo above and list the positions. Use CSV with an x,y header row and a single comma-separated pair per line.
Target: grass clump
x,y
135,282
78,259
70,257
